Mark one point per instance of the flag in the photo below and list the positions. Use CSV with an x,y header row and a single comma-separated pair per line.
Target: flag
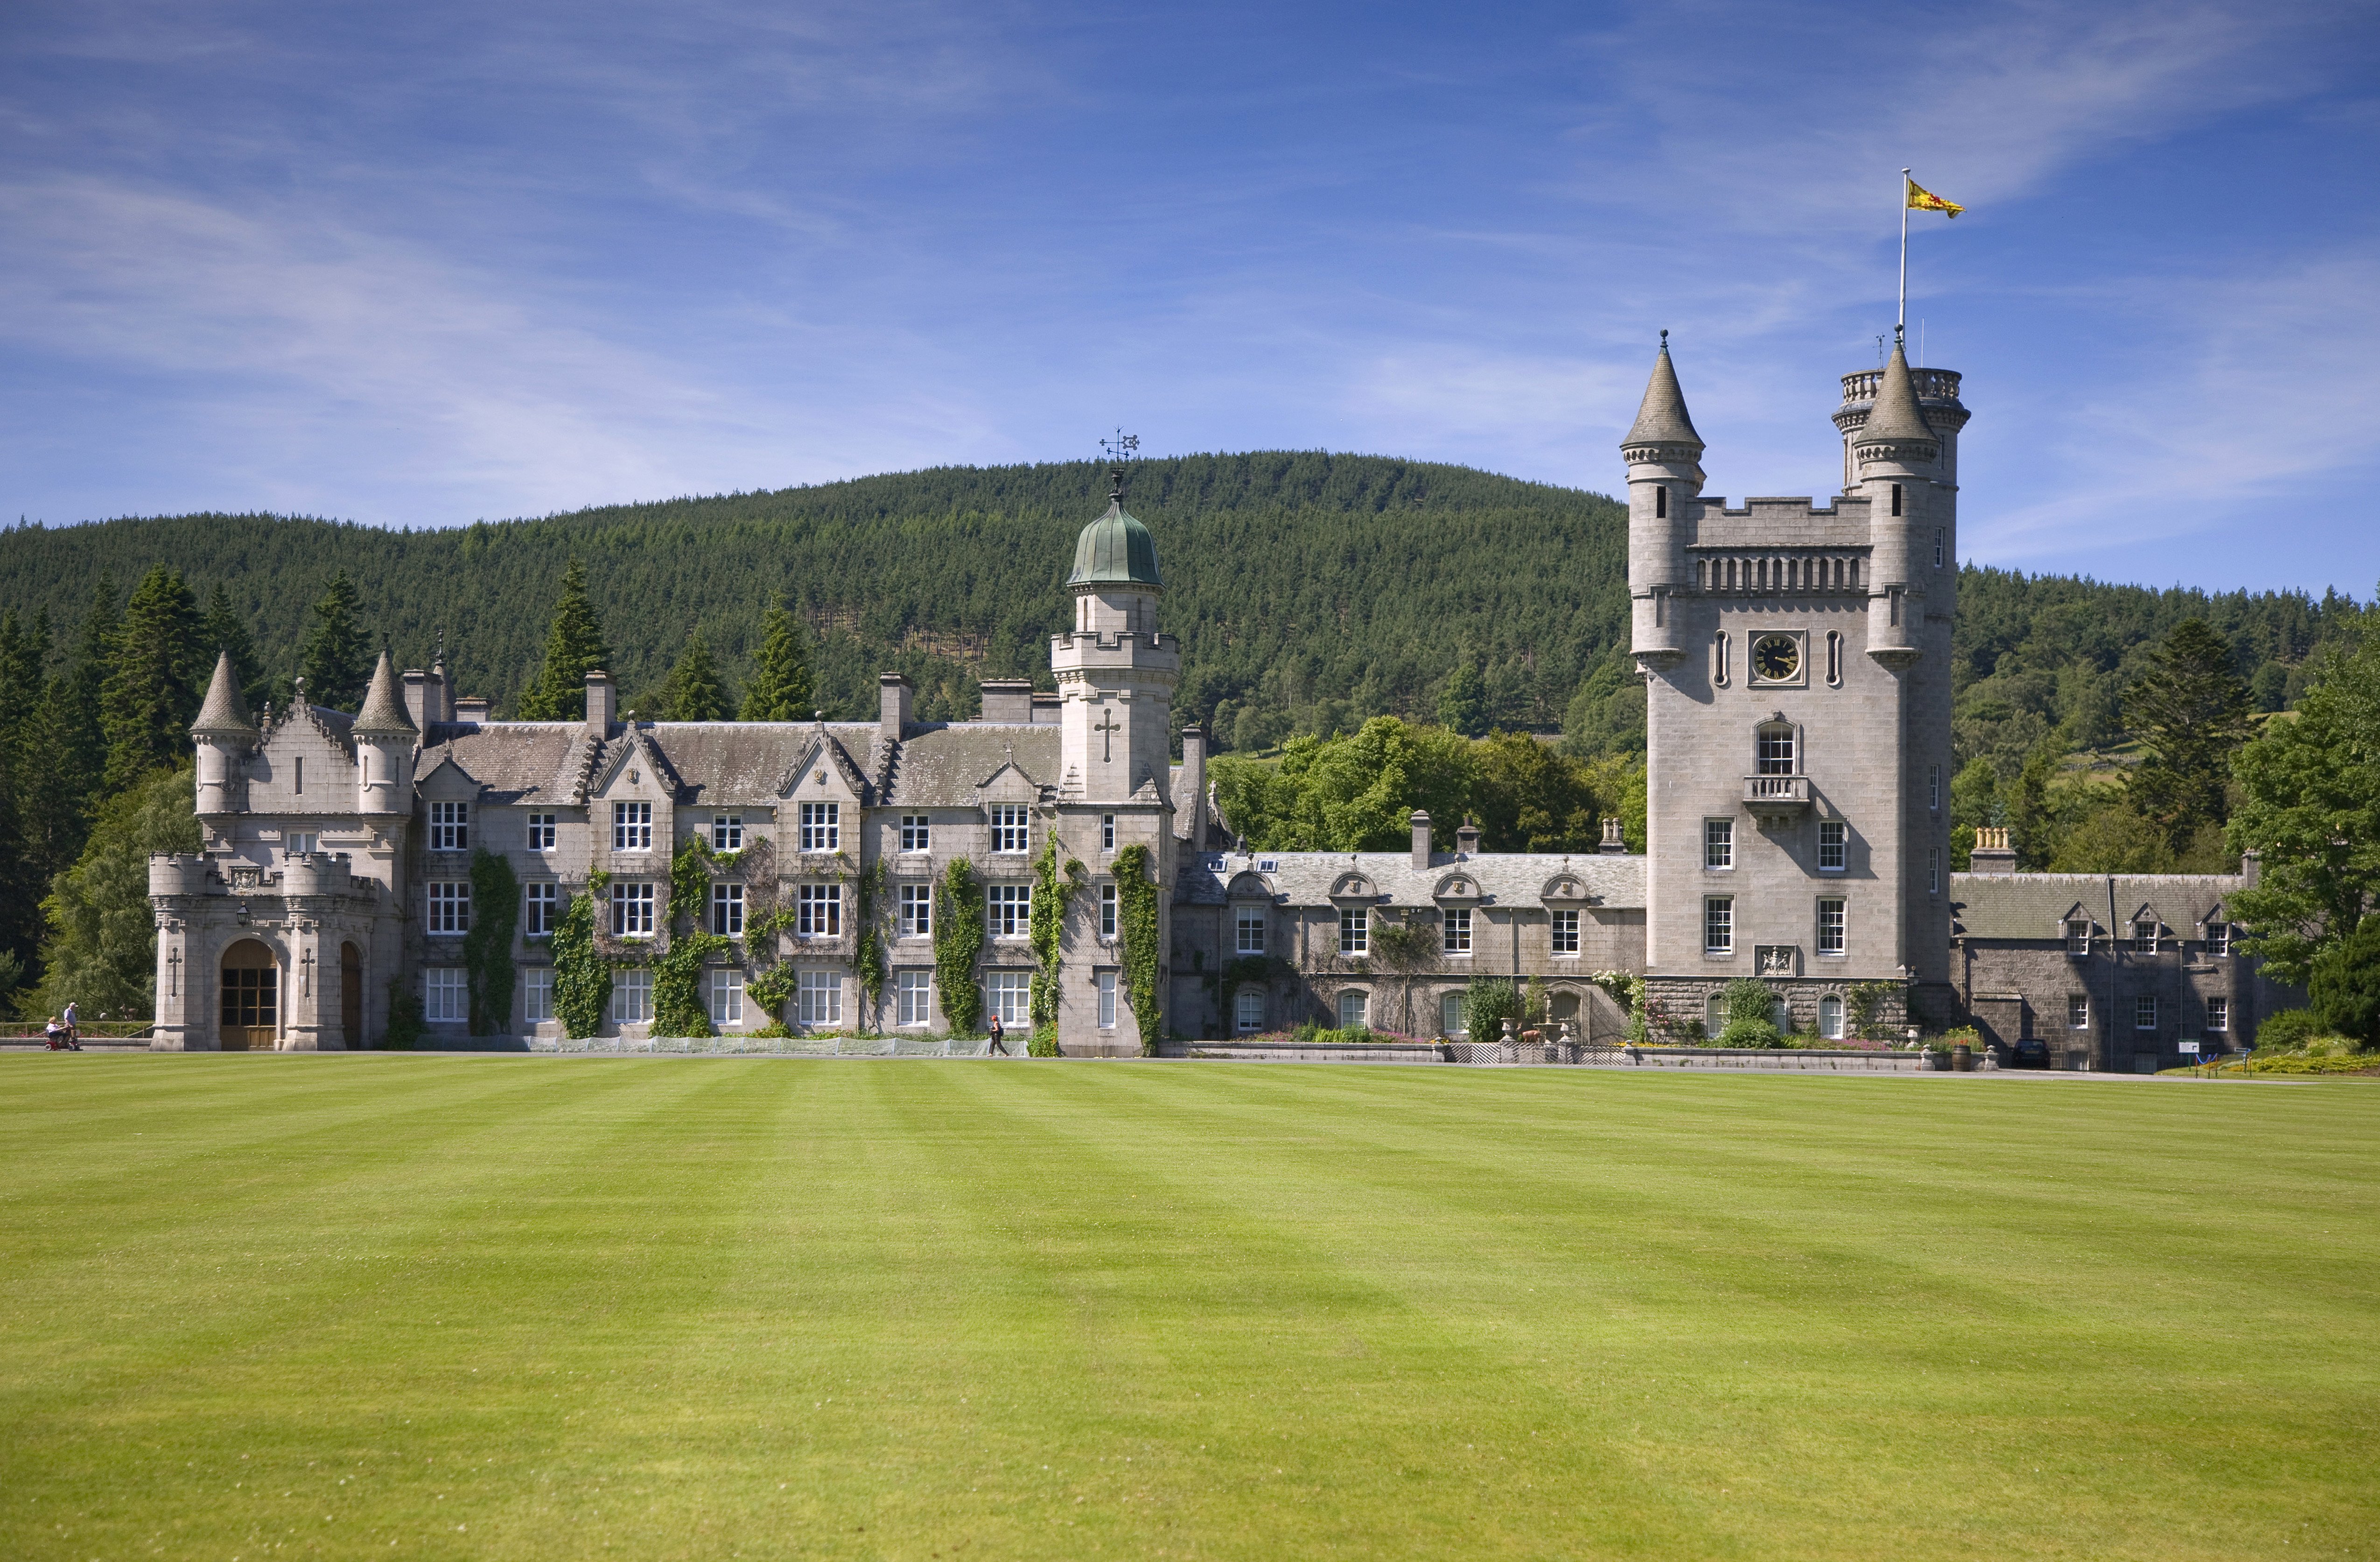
x,y
1924,200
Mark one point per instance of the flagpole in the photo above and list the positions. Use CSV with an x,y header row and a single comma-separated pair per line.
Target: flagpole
x,y
1901,316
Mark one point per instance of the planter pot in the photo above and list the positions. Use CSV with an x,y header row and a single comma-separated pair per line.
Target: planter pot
x,y
1962,1060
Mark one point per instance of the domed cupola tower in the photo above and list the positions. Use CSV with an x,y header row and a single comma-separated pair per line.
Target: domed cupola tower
x,y
1115,672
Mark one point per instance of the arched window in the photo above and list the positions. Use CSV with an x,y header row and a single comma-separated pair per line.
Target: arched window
x,y
1773,753
1830,1017
1718,658
1714,1014
1834,658
1353,1008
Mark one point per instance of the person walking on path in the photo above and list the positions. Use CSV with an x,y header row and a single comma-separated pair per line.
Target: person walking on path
x,y
74,1030
996,1033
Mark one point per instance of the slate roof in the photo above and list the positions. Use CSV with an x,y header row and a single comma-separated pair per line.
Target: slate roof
x,y
1504,878
516,761
2033,906
383,708
225,710
945,767
1896,415
749,762
1662,418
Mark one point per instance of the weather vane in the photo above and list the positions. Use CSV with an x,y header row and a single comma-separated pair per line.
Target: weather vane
x,y
1121,449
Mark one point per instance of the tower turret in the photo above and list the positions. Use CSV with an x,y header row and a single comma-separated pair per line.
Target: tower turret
x,y
1896,455
1664,457
1115,672
223,735
384,738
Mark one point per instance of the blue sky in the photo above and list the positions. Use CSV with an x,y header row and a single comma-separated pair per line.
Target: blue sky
x,y
417,265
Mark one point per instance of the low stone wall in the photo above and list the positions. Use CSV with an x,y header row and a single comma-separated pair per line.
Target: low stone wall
x,y
1763,1061
1305,1052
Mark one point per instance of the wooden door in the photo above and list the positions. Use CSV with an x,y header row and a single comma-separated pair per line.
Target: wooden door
x,y
351,996
250,1014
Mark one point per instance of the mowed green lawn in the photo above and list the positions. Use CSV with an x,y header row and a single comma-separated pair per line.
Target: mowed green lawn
x,y
392,1305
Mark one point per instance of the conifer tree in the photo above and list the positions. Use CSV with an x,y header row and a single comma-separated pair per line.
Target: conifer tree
x,y
2191,709
574,648
338,660
150,695
20,878
66,746
694,692
225,630
1463,701
780,688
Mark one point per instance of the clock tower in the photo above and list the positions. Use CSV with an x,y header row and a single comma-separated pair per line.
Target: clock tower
x,y
1797,662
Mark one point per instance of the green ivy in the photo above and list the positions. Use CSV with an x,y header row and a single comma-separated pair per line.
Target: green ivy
x,y
406,1028
487,946
582,977
1868,1000
867,960
690,884
1052,891
1136,920
679,1005
958,944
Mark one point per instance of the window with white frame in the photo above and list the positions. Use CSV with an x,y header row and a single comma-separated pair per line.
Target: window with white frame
x,y
1450,1014
1934,789
1719,843
450,826
450,906
631,996
2144,937
631,827
2218,937
727,996
817,911
2144,1016
1010,829
818,998
1355,930
1714,1014
917,833
445,995
1107,987
1830,1017
912,998
727,832
1830,925
1009,995
1455,931
1009,908
1934,871
2218,1014
1354,1008
822,827
916,911
1773,751
728,910
1110,901
1832,834
299,843
1565,932
1107,833
1247,1011
537,994
1248,929
2078,1012
2078,936
540,832
1718,924
632,908
542,903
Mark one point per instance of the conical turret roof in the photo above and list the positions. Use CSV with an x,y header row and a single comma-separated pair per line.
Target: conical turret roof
x,y
383,708
225,710
1896,418
1115,549
1662,419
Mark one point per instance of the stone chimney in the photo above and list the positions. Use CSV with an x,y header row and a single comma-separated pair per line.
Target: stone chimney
x,y
1466,839
1615,836
1992,853
892,706
1007,699
471,708
600,696
1420,822
1048,708
2252,869
1189,810
416,698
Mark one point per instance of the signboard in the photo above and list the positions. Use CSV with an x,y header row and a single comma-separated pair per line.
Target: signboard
x,y
2191,1047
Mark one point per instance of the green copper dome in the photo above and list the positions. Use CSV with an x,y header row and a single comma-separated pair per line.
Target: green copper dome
x,y
1115,549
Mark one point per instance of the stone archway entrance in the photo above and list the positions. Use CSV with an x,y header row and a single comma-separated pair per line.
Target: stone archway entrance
x,y
250,1017
351,997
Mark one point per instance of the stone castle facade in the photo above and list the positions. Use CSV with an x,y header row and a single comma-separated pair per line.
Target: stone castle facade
x,y
1798,666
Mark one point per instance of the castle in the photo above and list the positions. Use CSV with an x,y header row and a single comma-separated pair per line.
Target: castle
x,y
1797,661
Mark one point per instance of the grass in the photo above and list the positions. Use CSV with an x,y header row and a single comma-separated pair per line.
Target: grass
x,y
508,1307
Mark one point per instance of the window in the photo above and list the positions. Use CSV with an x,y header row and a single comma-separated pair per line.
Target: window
x,y
1352,1009
1934,789
726,996
1355,930
1660,502
1449,1014
2144,1013
446,994
822,827
1011,909
542,902
450,907
1714,1014
1565,932
1830,925
1719,925
2078,1012
1941,541
1010,995
1775,751
2144,937
450,826
297,778
1719,659
1719,843
1834,658
1896,498
537,994
1108,902
631,827
1832,834
2218,937
1107,984
299,843
1248,929
728,910
817,911
2218,1013
2078,936
1455,931
632,909
1830,1018
1934,871
1107,833
916,911
917,833
540,832
631,996
912,998
1248,1012
727,832
1009,832
818,998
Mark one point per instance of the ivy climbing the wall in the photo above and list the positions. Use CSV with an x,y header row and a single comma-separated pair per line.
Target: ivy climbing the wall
x,y
582,977
1052,891
958,944
679,1005
487,946
1136,920
868,945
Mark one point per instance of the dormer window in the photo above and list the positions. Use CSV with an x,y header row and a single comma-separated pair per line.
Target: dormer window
x,y
1011,833
727,832
822,827
2078,936
2144,937
450,826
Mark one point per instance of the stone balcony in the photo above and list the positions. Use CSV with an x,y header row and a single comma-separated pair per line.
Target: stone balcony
x,y
1777,798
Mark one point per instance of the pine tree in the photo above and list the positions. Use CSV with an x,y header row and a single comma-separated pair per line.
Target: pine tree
x,y
20,878
66,747
694,692
2192,711
225,630
1463,701
574,648
780,688
338,660
151,694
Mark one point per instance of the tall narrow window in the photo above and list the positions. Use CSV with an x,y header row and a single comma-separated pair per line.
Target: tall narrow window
x,y
2144,1013
1249,930
728,910
298,777
1661,502
1718,924
1455,932
1830,925
2145,935
631,996
915,993
542,900
1355,930
1719,843
537,994
817,911
1896,498
726,997
1108,903
916,911
2078,937
1934,789
1565,932
1107,980
1832,834
1834,658
1718,658
2078,1012
2218,1013
1107,833
1934,871
2218,937
1941,541
1774,750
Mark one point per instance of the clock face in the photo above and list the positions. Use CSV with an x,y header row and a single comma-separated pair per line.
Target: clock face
x,y
1777,657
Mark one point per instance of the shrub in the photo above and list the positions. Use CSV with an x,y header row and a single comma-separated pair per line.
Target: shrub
x,y
1486,1008
1751,1032
1043,1042
405,1027
1746,1001
2288,1030
773,1031
2344,988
